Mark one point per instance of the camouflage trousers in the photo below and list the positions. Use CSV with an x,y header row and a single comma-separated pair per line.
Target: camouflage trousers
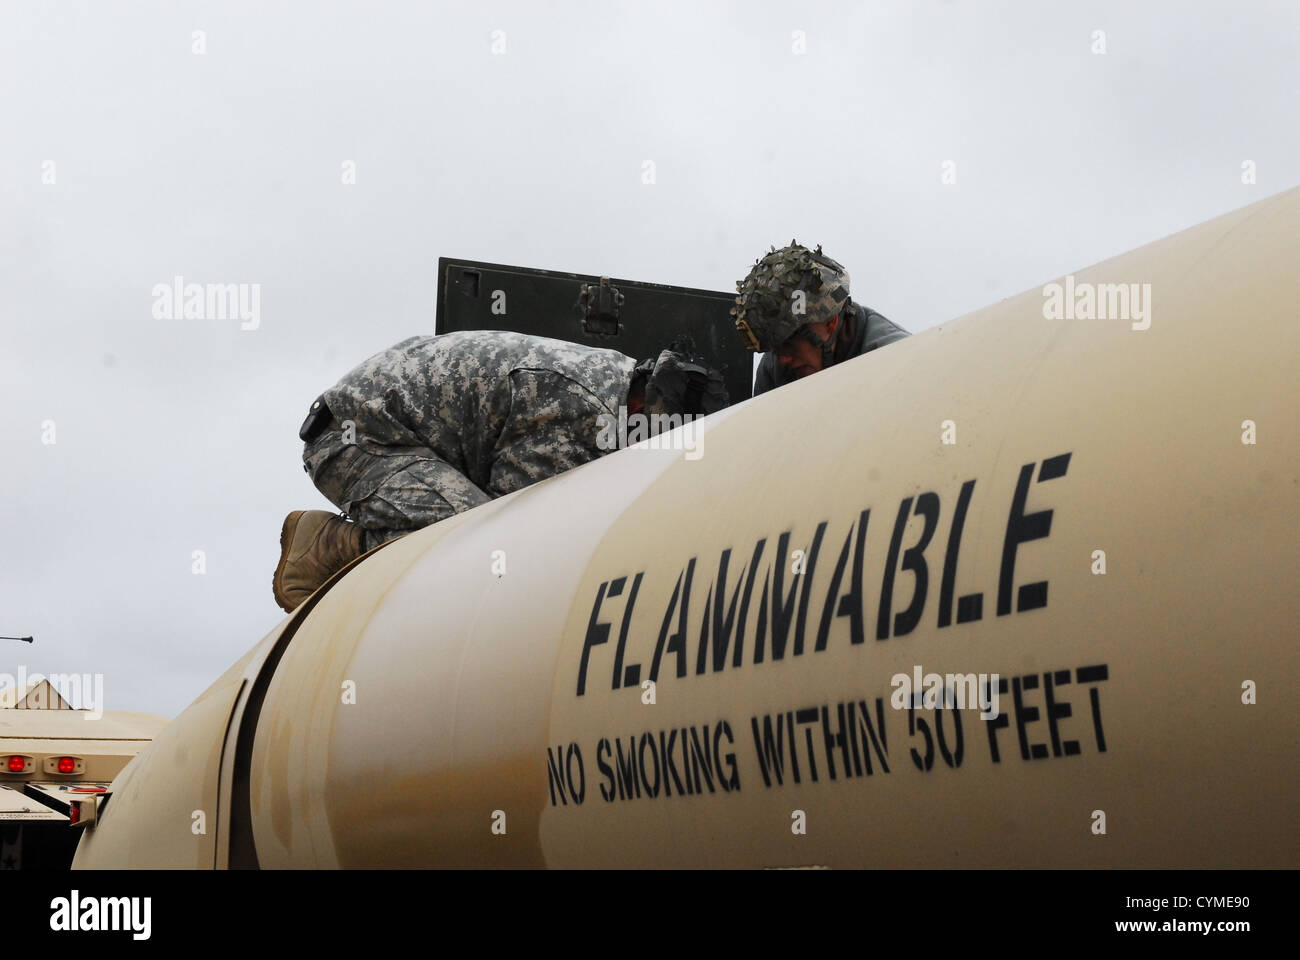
x,y
387,491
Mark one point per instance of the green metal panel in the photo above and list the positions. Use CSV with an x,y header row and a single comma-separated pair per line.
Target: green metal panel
x,y
545,303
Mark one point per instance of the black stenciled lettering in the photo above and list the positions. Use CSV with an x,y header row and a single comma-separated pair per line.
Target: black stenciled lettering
x,y
951,757
1021,528
809,569
744,603
629,783
850,604
703,648
970,607
770,746
677,642
927,507
1058,710
579,790
555,774
1026,715
853,603
783,604
691,786
853,741
651,789
887,583
670,763
971,603
915,724
720,625
648,765
632,674
994,724
828,608
868,731
794,749
806,715
701,760
838,739
728,780
603,750
1095,675
597,633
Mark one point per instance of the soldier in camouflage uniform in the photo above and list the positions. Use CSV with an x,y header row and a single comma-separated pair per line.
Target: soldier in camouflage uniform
x,y
794,306
437,425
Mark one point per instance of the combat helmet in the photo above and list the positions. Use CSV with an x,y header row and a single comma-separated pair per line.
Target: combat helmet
x,y
680,381
784,292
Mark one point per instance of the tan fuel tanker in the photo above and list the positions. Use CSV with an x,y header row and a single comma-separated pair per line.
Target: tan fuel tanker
x,y
1085,498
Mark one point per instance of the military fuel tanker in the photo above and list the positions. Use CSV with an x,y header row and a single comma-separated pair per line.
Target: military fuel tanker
x,y
1018,591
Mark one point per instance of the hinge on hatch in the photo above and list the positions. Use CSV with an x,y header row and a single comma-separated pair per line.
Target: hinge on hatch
x,y
601,307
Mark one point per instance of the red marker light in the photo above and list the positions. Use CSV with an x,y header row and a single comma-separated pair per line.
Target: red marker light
x,y
67,765
17,764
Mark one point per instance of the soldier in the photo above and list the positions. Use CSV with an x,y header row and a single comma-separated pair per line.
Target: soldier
x,y
434,426
794,305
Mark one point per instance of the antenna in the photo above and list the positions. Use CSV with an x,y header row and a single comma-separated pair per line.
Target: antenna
x,y
20,639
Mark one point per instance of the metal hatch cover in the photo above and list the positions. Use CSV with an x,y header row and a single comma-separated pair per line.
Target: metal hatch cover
x,y
636,318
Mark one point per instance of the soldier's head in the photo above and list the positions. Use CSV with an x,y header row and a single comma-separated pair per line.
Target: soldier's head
x,y
677,382
790,304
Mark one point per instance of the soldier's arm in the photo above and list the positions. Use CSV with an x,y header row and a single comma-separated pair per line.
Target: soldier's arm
x,y
767,376
881,331
553,425
414,492
456,489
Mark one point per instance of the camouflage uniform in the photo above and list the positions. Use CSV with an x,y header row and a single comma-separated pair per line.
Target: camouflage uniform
x,y
788,290
873,331
445,423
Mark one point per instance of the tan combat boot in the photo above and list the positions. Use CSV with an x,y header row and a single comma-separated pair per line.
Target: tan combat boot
x,y
314,545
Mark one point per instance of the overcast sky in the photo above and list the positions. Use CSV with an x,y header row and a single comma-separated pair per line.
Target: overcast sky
x,y
127,158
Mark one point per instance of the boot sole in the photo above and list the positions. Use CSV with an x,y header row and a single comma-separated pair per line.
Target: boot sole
x,y
287,530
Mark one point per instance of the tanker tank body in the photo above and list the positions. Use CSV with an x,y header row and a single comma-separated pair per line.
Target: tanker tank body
x,y
677,658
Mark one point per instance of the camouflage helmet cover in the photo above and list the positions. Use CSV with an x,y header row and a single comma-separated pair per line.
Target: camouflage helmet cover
x,y
679,381
769,308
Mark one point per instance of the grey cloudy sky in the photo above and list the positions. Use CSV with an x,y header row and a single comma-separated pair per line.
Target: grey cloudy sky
x,y
181,435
